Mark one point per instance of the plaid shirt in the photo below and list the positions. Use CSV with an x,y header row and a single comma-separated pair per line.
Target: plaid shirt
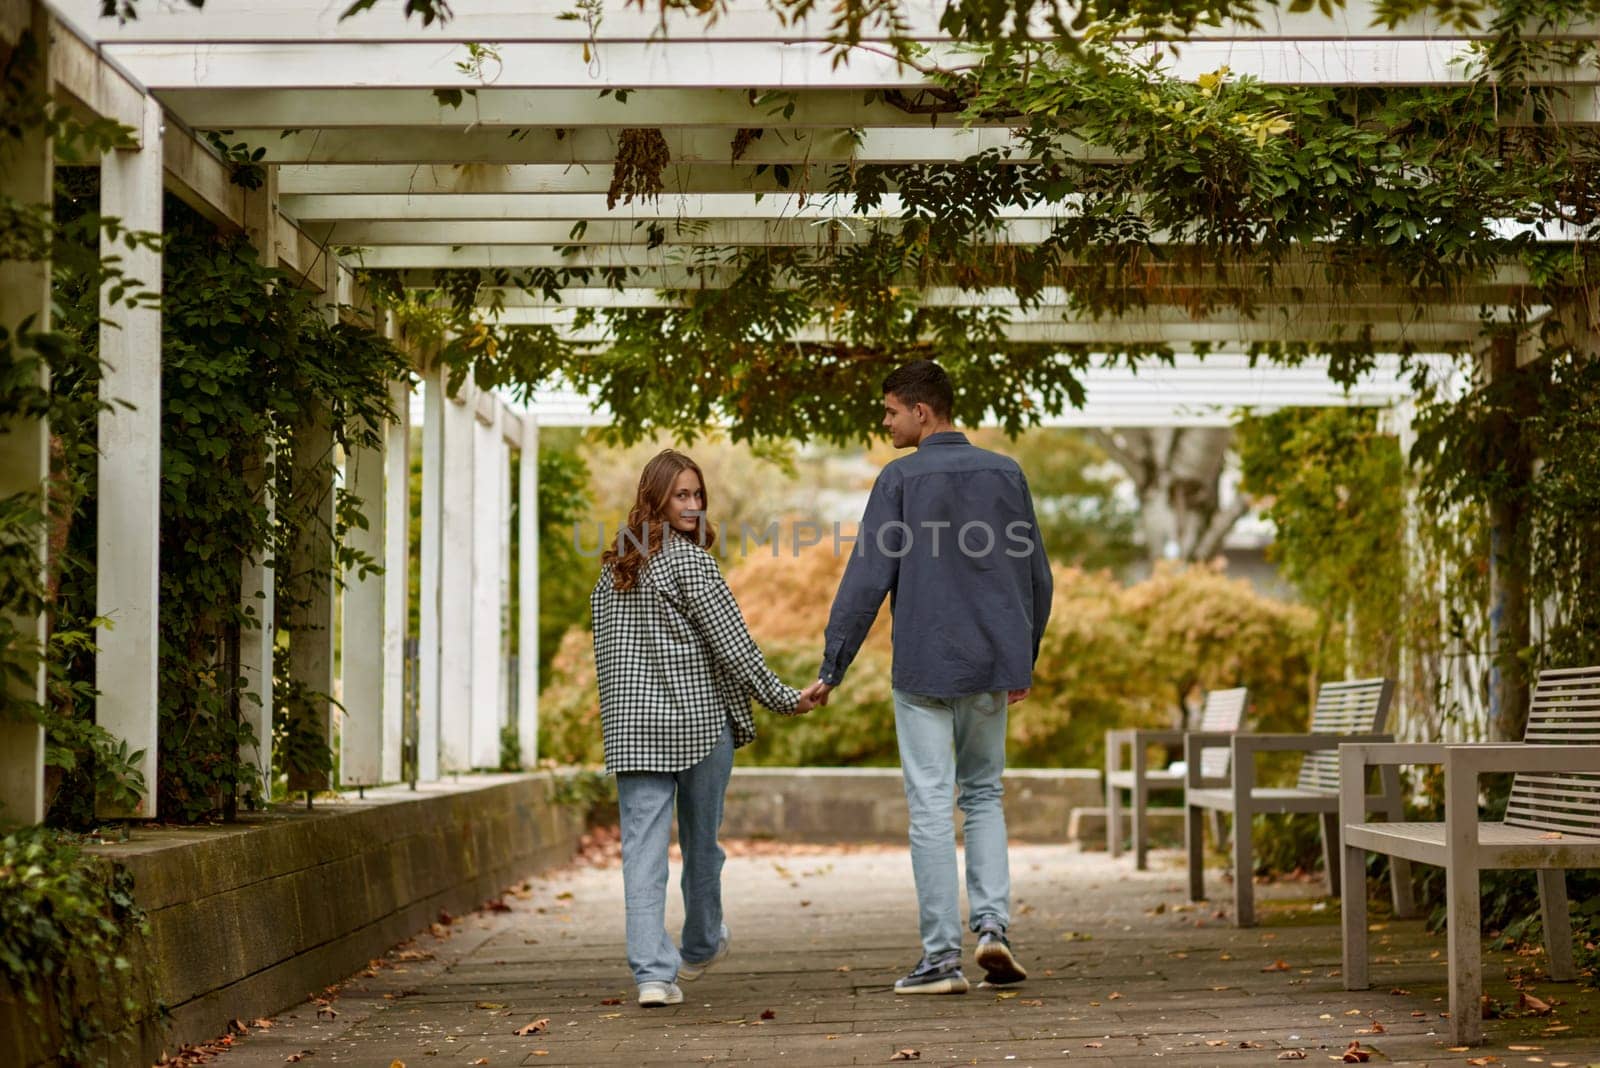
x,y
675,662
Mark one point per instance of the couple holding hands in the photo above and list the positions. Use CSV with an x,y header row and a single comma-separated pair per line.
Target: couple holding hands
x,y
949,534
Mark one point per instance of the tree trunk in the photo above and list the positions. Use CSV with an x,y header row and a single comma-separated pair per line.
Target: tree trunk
x,y
1177,472
1509,632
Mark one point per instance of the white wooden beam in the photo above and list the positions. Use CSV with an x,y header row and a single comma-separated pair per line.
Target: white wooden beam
x,y
518,179
569,207
1111,335
527,622
91,83
596,146
396,575
521,109
362,644
128,527
550,21
25,443
489,523
822,233
456,638
430,589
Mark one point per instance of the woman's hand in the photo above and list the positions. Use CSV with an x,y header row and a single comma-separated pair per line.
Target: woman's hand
x,y
810,698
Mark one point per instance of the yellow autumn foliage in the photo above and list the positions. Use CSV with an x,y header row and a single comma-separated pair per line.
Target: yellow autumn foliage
x,y
1113,656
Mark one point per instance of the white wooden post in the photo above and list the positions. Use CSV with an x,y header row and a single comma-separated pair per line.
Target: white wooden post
x,y
429,588
396,574
488,518
455,581
311,562
361,734
527,622
128,529
25,444
257,580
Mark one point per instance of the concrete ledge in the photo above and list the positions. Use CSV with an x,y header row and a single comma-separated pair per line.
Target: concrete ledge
x,y
1164,826
869,804
245,919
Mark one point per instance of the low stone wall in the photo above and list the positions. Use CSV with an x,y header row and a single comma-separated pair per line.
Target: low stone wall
x,y
245,919
869,804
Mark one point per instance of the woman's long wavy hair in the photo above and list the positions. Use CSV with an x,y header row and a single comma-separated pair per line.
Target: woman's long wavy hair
x,y
646,529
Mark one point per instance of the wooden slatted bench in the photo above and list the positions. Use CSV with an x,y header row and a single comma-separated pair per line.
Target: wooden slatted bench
x,y
1222,713
1354,711
1552,823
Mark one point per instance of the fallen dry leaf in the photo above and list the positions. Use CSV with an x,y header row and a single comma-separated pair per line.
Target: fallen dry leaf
x,y
1292,1055
1094,1045
616,1015
1551,836
907,1055
1400,992
1034,1002
842,968
537,1027
1459,1049
1352,1012
1376,1029
261,1023
1537,1006
1354,1054
1216,1042
397,1063
611,1001
1006,995
541,1053
1114,996
327,1010
481,1060
1277,966
768,1014
1479,1062
1525,1049
1247,1044
492,1006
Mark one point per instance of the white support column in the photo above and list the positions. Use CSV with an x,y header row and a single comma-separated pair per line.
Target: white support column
x,y
429,587
528,591
488,520
312,562
258,579
25,444
361,734
128,528
396,575
455,582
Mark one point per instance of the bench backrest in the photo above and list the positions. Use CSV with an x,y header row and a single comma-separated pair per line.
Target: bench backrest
x,y
1223,711
1360,706
1565,711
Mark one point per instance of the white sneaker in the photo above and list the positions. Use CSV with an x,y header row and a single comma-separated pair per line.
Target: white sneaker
x,y
654,995
688,973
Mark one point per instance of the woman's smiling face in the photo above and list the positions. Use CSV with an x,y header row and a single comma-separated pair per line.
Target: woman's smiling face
x,y
686,504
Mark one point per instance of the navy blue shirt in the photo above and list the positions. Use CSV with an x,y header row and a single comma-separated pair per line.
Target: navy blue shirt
x,y
949,533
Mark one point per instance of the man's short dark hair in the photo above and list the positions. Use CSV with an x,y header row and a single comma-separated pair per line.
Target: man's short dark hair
x,y
922,382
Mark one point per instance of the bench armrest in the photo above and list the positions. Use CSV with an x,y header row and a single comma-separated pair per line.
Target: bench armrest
x,y
1378,754
1195,743
1246,745
1475,760
1135,740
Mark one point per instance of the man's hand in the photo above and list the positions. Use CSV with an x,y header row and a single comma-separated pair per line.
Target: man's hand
x,y
1013,696
809,699
822,690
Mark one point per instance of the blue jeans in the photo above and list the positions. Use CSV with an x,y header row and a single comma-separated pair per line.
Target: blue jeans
x,y
644,801
945,742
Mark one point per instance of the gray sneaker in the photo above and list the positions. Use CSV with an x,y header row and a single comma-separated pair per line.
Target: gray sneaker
x,y
934,975
995,957
688,972
654,995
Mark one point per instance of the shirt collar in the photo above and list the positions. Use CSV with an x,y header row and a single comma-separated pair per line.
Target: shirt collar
x,y
945,437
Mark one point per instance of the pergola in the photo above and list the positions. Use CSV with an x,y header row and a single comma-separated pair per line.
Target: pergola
x,y
367,168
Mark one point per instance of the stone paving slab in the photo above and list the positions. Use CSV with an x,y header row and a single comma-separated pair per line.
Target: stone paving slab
x,y
1123,972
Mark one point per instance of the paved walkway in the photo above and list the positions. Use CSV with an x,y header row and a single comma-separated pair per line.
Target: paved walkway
x,y
1123,972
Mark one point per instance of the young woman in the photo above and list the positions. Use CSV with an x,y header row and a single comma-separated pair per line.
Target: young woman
x,y
677,668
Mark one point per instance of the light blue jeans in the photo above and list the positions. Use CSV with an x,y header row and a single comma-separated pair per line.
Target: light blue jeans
x,y
644,802
946,742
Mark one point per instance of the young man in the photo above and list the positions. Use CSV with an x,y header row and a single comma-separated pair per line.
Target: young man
x,y
949,534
